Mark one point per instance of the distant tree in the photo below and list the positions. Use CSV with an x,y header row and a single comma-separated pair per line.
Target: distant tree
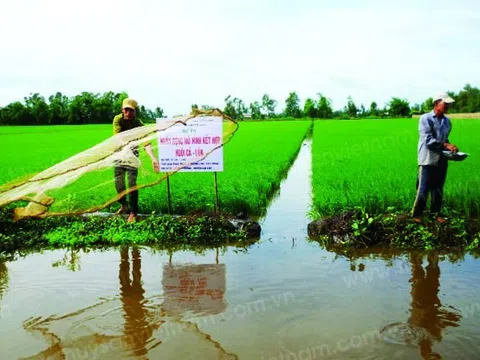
x,y
85,108
466,101
118,100
229,109
256,110
235,108
16,114
292,106
104,108
427,105
143,114
339,114
454,108
383,112
351,109
58,105
324,107
415,109
310,108
373,109
149,116
158,112
240,108
202,107
269,105
398,107
38,109
88,108
362,111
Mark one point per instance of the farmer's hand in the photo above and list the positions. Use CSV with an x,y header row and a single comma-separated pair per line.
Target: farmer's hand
x,y
155,165
451,147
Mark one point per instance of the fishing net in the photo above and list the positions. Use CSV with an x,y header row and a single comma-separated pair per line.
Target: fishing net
x,y
84,183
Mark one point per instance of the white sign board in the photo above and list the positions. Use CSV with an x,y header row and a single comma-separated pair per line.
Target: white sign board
x,y
184,144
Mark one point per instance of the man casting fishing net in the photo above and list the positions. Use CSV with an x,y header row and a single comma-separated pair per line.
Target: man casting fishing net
x,y
82,183
128,120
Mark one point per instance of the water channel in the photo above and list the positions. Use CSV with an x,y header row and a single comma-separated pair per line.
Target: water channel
x,y
283,298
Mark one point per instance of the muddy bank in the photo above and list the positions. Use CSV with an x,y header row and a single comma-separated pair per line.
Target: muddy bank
x,y
102,230
357,229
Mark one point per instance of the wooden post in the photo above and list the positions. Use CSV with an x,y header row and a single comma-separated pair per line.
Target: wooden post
x,y
169,196
217,207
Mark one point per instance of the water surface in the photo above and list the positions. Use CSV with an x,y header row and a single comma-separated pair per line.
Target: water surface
x,y
283,298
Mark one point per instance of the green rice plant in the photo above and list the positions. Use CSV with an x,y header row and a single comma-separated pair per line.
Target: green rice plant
x,y
373,164
255,161
27,150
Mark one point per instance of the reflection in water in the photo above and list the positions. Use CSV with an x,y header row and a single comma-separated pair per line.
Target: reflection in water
x,y
72,263
426,310
427,315
131,326
137,329
195,288
198,290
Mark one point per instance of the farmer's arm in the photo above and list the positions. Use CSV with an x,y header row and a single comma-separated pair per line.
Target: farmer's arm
x,y
447,145
149,150
116,125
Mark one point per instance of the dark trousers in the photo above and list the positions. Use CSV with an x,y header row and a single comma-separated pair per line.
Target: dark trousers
x,y
120,186
430,181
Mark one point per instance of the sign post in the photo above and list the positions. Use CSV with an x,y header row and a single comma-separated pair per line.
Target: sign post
x,y
217,210
183,148
169,196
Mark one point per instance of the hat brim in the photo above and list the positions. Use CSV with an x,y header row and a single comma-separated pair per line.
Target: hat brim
x,y
448,100
128,107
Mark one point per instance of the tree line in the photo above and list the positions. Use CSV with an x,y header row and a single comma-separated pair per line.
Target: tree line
x,y
59,109
89,108
467,100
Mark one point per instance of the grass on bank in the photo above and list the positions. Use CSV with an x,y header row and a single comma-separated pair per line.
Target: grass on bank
x,y
165,232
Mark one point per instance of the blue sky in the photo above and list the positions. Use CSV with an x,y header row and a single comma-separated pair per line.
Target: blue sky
x,y
175,53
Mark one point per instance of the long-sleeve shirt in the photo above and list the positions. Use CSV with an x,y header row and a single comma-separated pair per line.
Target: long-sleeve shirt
x,y
434,133
121,124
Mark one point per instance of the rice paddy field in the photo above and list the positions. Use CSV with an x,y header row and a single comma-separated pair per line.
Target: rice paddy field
x,y
217,301
373,164
255,161
363,163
